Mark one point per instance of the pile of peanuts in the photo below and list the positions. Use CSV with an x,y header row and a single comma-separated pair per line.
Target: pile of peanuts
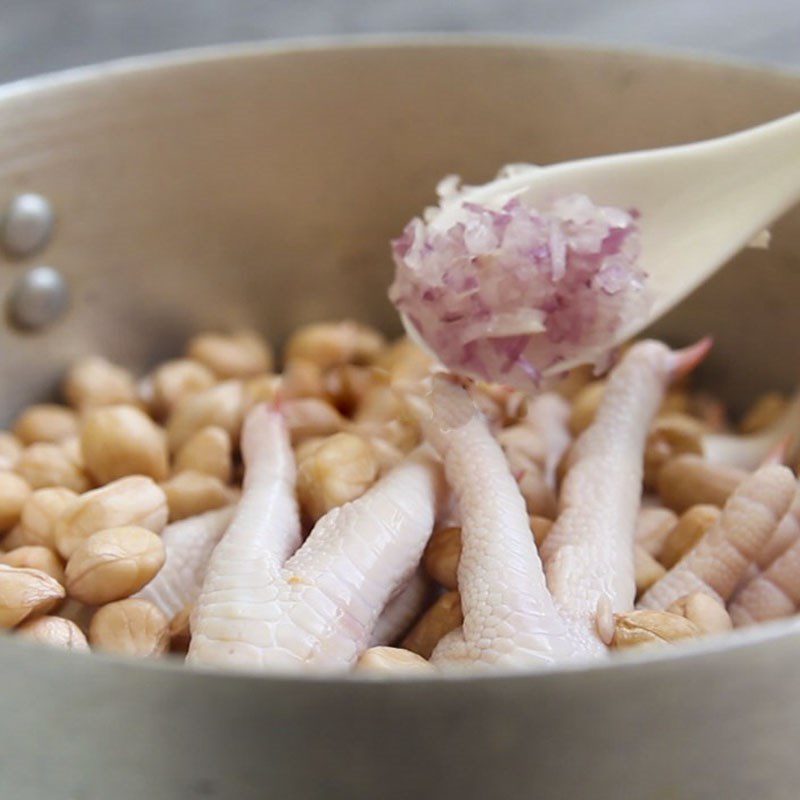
x,y
87,486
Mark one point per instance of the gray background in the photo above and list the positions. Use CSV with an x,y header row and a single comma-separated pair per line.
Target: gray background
x,y
42,35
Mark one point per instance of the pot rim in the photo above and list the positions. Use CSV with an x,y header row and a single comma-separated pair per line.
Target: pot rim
x,y
690,652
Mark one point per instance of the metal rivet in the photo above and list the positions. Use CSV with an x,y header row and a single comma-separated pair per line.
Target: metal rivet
x,y
26,225
38,298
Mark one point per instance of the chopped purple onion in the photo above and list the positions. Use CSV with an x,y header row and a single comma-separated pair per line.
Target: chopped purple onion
x,y
502,295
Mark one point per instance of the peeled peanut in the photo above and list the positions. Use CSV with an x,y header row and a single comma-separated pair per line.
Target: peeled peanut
x,y
585,405
113,564
174,381
41,512
347,385
180,633
339,470
238,355
310,416
122,440
652,528
405,361
14,491
383,403
94,381
35,557
221,405
687,532
646,570
10,450
71,447
26,592
392,660
330,343
676,401
55,632
671,435
135,500
766,410
571,384
191,493
44,465
636,628
14,538
46,422
706,612
263,389
209,451
442,617
130,627
688,480
442,555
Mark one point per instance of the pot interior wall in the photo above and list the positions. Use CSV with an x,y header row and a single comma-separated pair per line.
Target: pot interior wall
x,y
261,188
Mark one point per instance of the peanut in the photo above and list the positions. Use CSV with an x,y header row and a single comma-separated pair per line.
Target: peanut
x,y
243,354
704,611
338,470
710,411
41,512
636,628
443,551
687,532
93,381
347,385
585,405
303,378
14,491
766,410
71,447
330,343
310,416
176,380
209,451
570,385
671,435
122,440
405,361
55,632
676,401
26,592
46,422
646,569
10,450
652,528
191,493
35,557
135,500
688,480
442,555
130,627
441,618
263,389
113,564
44,465
392,660
221,405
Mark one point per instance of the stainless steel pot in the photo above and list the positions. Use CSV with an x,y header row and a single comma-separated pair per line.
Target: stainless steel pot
x,y
259,185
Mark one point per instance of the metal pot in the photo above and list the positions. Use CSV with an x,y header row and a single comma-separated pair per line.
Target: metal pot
x,y
259,185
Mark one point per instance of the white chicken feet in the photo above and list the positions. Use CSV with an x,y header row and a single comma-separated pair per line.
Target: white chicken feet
x,y
316,610
513,616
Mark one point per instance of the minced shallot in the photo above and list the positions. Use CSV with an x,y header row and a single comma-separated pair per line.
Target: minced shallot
x,y
504,294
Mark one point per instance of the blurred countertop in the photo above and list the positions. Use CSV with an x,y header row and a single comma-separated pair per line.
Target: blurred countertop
x,y
43,35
